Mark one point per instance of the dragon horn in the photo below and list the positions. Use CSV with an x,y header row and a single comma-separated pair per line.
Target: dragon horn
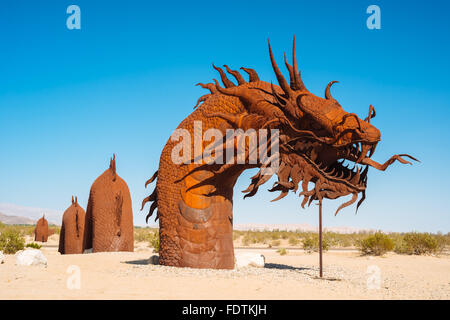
x,y
281,80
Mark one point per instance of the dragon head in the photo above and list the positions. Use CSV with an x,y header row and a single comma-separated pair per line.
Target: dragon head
x,y
317,137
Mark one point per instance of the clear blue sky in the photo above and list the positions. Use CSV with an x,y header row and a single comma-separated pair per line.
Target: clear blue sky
x,y
69,99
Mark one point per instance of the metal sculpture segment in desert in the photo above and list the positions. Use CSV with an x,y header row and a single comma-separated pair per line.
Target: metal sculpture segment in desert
x,y
194,202
72,229
109,214
41,231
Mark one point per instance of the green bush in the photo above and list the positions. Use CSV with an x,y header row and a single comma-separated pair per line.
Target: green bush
x,y
25,230
376,244
144,234
275,236
282,251
33,245
154,241
11,241
311,243
284,235
419,243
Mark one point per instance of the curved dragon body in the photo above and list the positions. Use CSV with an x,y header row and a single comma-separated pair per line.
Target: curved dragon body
x,y
314,136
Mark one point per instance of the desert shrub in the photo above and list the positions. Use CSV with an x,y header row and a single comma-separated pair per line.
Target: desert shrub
x,y
33,245
376,244
275,235
22,229
282,251
11,241
144,234
345,241
257,237
293,241
419,243
246,240
442,240
154,241
275,243
141,235
311,243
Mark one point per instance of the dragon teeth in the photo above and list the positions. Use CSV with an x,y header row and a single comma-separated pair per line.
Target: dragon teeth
x,y
356,177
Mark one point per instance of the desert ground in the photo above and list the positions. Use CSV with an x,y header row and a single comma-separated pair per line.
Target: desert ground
x,y
130,275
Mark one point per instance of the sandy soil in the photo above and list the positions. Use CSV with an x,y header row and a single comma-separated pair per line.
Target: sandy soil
x,y
293,276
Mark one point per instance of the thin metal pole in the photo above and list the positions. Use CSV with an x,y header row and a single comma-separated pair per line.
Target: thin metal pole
x,y
320,238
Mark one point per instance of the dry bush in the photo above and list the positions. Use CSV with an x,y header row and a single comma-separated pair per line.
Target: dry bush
x,y
11,240
293,241
275,243
420,243
376,244
311,243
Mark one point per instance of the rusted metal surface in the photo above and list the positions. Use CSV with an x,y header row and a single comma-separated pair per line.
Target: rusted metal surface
x,y
316,138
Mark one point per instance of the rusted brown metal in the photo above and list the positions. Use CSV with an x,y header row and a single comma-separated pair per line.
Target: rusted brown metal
x,y
109,214
72,229
194,201
41,231
320,239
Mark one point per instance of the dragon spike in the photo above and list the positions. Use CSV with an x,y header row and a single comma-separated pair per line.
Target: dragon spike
x,y
327,91
226,82
372,150
210,86
361,200
152,208
291,72
235,74
155,175
364,173
73,200
356,177
372,113
112,166
297,78
279,98
201,99
346,204
281,80
252,74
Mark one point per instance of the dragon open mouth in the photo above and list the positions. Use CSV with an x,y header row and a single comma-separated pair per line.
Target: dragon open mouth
x,y
343,165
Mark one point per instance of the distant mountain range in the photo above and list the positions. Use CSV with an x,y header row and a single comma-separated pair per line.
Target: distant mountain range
x,y
17,214
15,219
296,227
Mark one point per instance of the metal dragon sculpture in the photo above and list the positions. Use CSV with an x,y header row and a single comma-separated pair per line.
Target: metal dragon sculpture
x,y
194,201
